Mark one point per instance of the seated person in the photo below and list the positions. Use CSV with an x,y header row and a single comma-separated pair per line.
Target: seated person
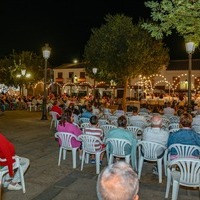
x,y
184,135
119,111
88,112
136,116
66,125
7,151
95,131
56,108
118,181
122,133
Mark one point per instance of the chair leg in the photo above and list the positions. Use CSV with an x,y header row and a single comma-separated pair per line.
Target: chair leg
x,y
97,163
175,190
159,163
140,165
59,156
168,183
74,157
22,179
83,159
64,154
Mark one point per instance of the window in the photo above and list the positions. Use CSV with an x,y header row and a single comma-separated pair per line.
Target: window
x,y
71,74
60,75
82,74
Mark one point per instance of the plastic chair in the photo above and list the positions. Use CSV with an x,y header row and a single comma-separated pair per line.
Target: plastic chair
x,y
30,106
54,120
103,122
174,125
173,130
182,171
116,147
107,127
151,151
84,120
91,145
138,123
65,145
85,125
137,131
16,165
182,151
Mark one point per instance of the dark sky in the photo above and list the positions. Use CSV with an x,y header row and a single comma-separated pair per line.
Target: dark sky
x,y
26,25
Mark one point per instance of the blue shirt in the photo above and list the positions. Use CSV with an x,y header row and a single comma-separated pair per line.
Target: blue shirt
x,y
185,136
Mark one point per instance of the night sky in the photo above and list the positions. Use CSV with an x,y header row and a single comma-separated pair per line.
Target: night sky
x,y
26,25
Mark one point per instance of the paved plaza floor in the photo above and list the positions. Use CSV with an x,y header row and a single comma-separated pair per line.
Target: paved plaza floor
x,y
44,180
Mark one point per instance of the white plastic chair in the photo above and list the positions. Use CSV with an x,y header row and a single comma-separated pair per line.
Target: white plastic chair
x,y
83,120
182,151
91,145
174,125
137,131
103,122
54,120
112,117
16,165
31,106
182,171
138,123
66,139
173,130
107,127
85,125
116,147
151,151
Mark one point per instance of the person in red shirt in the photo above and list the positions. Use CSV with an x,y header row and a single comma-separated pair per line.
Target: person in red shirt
x,y
57,109
7,151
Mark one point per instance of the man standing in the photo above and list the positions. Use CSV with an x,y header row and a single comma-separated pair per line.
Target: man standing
x,y
118,181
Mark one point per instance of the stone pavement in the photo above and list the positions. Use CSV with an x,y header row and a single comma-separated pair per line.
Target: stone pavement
x,y
44,180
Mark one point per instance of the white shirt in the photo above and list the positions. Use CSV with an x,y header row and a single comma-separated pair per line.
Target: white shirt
x,y
155,135
169,110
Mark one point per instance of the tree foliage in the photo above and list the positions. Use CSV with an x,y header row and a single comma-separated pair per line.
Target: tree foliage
x,y
11,66
122,50
179,15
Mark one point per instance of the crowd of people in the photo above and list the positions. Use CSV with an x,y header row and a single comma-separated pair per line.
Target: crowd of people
x,y
70,110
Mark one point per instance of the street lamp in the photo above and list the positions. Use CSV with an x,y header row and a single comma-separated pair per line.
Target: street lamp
x,y
94,70
22,76
46,51
190,50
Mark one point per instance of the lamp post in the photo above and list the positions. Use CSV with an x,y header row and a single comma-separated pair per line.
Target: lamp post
x,y
46,50
190,50
94,70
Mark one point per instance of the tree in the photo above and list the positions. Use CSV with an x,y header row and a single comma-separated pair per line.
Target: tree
x,y
121,51
12,65
179,15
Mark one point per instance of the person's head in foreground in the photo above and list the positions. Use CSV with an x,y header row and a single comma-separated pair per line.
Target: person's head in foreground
x,y
156,121
186,120
118,181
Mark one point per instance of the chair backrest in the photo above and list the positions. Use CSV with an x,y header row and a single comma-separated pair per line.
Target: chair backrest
x,y
114,122
103,121
90,144
112,117
174,125
174,119
182,150
83,120
117,146
65,139
188,170
138,123
151,150
84,125
54,115
196,128
107,127
135,130
173,130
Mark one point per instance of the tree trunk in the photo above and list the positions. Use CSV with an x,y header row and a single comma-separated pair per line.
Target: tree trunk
x,y
124,94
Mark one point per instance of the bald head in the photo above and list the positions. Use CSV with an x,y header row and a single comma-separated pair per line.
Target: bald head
x,y
156,121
